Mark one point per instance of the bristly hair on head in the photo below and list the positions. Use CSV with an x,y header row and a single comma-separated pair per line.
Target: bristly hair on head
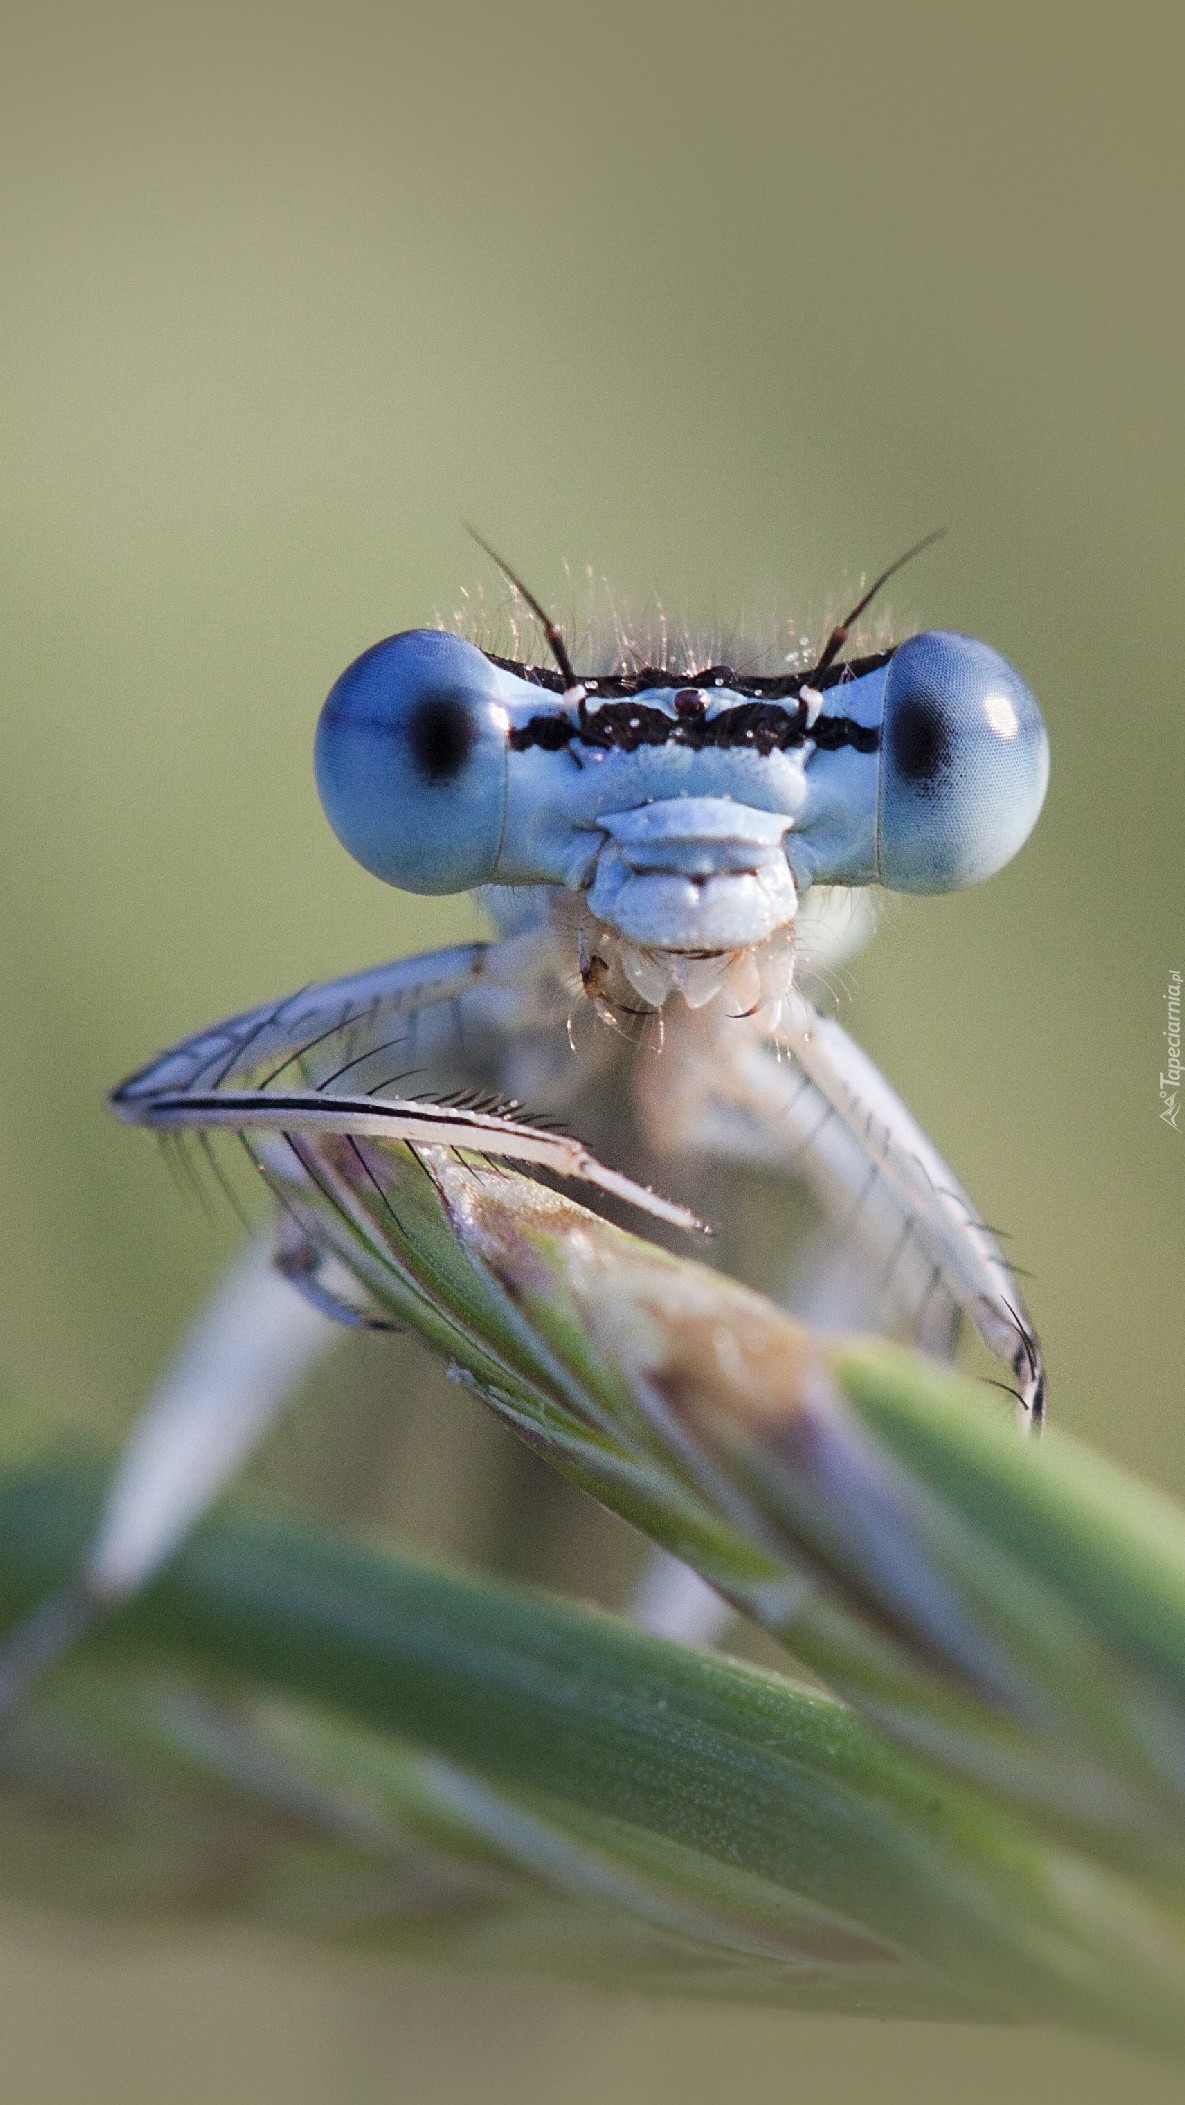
x,y
603,643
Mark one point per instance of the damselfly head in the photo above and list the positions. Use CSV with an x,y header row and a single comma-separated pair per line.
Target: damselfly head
x,y
690,810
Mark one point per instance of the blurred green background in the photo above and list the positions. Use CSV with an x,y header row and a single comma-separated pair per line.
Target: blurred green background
x,y
731,303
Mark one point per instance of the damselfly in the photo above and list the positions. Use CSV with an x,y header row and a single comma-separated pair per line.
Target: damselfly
x,y
670,848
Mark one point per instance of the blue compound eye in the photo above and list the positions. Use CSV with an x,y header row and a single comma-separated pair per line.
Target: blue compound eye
x,y
964,764
411,762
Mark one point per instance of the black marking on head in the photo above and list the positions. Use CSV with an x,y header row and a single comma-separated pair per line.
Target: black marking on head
x,y
441,735
553,733
622,686
921,743
764,722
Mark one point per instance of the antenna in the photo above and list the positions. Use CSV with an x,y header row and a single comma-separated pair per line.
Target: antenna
x,y
839,636
555,640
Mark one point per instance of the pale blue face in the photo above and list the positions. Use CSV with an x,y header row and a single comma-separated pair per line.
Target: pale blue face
x,y
692,813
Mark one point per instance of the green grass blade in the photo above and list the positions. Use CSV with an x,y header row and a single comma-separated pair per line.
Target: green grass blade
x,y
880,1518
721,1814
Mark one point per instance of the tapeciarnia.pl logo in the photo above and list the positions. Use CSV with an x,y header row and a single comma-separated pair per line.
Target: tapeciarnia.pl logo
x,y
1170,1082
